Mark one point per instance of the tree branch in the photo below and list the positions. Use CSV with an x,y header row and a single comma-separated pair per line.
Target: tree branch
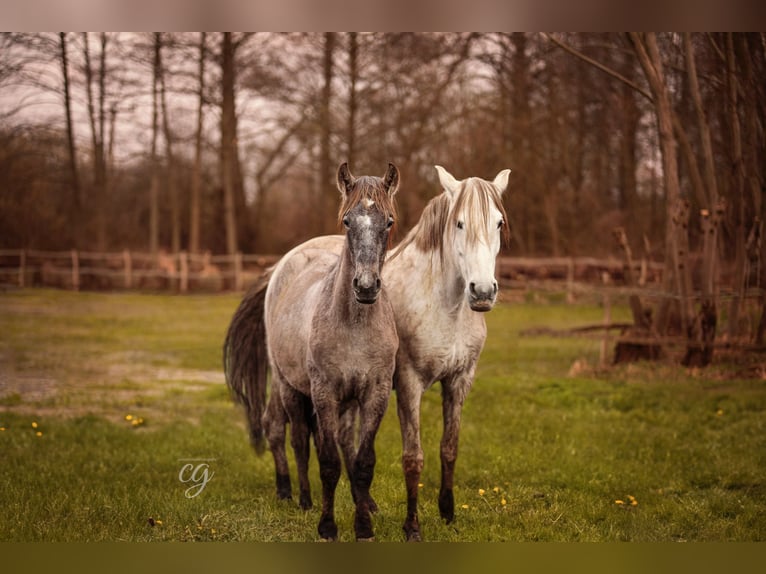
x,y
598,65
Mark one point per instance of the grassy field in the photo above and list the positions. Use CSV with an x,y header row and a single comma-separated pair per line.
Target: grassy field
x,y
104,398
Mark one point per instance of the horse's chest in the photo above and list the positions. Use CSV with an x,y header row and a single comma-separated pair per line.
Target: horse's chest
x,y
443,351
350,357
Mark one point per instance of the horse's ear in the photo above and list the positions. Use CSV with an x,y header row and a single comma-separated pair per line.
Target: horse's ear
x,y
344,179
449,183
501,180
391,180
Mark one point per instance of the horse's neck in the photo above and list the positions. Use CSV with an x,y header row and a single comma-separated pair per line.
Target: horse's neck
x,y
437,276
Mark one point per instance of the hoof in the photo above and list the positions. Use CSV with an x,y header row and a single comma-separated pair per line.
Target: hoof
x,y
328,530
412,533
305,502
447,506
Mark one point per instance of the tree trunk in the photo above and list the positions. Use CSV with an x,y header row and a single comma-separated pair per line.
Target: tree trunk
x,y
196,184
229,156
353,73
327,191
677,276
97,138
77,199
738,192
175,209
154,188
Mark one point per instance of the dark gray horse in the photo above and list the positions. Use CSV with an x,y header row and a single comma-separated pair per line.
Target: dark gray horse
x,y
331,342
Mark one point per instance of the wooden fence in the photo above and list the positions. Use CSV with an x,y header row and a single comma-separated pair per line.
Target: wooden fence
x,y
180,272
188,272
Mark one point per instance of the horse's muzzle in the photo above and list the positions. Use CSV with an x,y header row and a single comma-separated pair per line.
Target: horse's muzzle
x,y
366,288
482,296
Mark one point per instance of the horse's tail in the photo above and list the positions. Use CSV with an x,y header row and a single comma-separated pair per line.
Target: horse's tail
x,y
245,359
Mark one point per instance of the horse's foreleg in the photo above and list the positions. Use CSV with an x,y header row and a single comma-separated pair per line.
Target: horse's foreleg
x,y
329,464
347,442
453,394
408,409
275,423
371,415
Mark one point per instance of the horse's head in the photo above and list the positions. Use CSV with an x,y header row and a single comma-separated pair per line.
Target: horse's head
x,y
368,214
475,227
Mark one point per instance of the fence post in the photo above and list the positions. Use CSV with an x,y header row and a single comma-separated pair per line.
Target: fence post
x,y
22,267
183,264
570,280
75,270
607,320
238,280
128,264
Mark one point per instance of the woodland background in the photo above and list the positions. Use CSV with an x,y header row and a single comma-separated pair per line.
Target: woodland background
x,y
228,142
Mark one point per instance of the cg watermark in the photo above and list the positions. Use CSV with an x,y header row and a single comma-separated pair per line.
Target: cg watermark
x,y
197,472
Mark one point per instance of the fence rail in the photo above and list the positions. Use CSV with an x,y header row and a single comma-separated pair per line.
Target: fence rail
x,y
183,272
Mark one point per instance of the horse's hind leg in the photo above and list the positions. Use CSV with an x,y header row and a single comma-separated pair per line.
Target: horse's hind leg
x,y
274,423
298,409
346,439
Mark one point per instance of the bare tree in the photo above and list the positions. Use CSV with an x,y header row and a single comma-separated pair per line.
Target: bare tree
x,y
76,190
154,188
196,187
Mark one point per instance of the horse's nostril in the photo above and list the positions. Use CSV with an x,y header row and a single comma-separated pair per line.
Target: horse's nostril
x,y
377,283
473,288
355,283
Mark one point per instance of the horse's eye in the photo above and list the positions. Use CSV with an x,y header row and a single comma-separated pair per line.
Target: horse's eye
x,y
501,223
390,223
460,225
346,221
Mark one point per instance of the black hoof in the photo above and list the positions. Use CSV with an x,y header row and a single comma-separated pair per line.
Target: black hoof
x,y
284,490
412,532
327,529
305,502
363,527
447,506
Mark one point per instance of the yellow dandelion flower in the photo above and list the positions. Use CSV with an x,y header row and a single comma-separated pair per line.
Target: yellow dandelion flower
x,y
158,522
496,489
619,502
38,433
464,506
634,502
420,485
631,497
503,502
212,531
34,425
128,417
481,492
719,412
2,429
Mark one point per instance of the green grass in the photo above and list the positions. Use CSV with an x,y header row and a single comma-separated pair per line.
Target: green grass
x,y
558,445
